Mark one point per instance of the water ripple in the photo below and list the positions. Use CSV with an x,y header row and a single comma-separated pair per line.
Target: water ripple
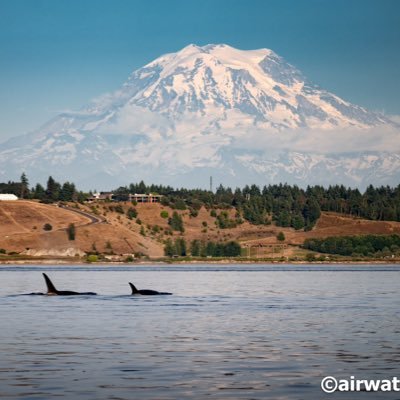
x,y
227,332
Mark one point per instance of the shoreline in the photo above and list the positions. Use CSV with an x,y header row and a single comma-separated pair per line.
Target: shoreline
x,y
177,262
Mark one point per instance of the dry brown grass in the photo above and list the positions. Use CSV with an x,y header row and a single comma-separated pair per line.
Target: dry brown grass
x,y
21,227
332,224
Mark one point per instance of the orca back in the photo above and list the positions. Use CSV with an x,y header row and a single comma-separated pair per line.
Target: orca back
x,y
145,292
51,289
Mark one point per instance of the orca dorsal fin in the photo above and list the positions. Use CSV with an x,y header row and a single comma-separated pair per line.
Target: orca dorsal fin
x,y
51,289
134,290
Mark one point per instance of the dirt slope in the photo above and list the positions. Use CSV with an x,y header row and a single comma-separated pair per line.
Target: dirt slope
x,y
21,228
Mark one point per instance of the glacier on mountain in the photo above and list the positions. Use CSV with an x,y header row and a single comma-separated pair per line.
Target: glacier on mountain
x,y
242,116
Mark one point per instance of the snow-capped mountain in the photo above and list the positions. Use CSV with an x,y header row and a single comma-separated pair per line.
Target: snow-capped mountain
x,y
240,116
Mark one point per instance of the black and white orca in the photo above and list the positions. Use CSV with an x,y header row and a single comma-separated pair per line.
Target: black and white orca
x,y
145,292
52,291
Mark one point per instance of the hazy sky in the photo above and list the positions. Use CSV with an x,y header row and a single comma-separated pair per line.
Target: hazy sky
x,y
57,55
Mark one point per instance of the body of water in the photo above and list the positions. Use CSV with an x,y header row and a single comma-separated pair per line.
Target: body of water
x,y
227,332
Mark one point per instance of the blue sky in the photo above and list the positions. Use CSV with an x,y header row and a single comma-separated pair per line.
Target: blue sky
x,y
57,55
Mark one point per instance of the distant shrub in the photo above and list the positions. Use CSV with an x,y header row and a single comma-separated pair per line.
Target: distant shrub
x,y
180,205
224,222
196,204
119,209
155,229
94,210
164,214
109,247
176,222
132,213
193,212
47,227
281,236
213,213
310,257
92,258
46,201
3,251
164,201
129,259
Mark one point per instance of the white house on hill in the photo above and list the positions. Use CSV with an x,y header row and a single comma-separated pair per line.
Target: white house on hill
x,y
7,196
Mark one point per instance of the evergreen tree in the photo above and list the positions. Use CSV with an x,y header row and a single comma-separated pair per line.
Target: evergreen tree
x,y
67,192
71,231
121,194
180,247
210,249
52,189
195,248
232,249
311,212
169,248
39,192
142,189
176,222
298,221
24,186
283,219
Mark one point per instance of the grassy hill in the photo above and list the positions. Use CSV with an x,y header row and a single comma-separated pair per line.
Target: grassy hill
x,y
111,229
22,230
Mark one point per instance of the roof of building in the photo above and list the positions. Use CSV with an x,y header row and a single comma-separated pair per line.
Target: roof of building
x,y
8,196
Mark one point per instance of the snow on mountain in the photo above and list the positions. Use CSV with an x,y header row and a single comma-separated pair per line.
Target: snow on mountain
x,y
191,114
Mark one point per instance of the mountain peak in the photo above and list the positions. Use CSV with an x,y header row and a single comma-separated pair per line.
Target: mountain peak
x,y
215,79
222,53
217,47
200,111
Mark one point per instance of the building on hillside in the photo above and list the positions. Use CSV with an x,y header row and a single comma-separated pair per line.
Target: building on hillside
x,y
139,198
7,197
101,196
145,198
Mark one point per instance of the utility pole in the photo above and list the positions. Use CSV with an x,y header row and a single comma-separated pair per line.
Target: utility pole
x,y
211,184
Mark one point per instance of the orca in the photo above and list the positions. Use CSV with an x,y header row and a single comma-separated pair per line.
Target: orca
x,y
145,292
52,291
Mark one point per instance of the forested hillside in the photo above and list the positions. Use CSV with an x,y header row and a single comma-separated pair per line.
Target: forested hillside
x,y
284,205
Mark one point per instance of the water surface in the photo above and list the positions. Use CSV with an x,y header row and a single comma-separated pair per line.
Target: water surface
x,y
228,332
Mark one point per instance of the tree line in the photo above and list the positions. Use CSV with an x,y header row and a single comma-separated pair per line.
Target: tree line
x,y
361,245
53,191
285,205
200,248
